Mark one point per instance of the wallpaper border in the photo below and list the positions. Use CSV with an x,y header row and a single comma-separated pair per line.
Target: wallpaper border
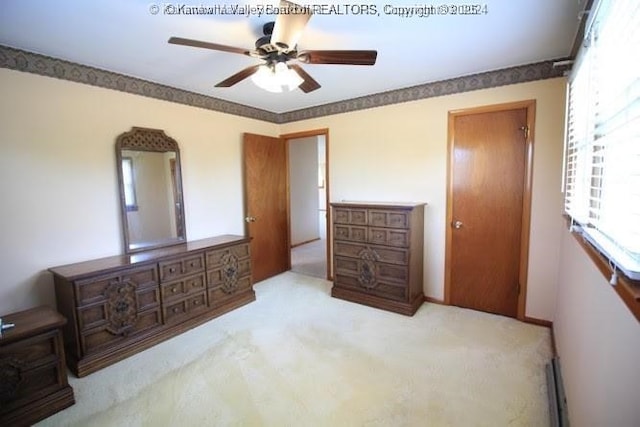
x,y
21,60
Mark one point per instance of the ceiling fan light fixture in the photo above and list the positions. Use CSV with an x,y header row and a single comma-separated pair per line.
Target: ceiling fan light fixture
x,y
276,78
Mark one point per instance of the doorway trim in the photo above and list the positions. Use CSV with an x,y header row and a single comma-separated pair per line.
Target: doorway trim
x,y
530,106
304,134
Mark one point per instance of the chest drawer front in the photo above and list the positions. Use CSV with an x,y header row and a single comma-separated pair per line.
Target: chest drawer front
x,y
177,268
95,290
350,232
186,308
389,218
180,288
368,274
218,257
355,216
380,253
389,236
383,289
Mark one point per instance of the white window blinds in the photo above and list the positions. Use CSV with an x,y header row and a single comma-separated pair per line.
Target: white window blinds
x,y
602,183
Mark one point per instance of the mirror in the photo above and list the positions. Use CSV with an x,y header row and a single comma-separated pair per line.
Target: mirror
x,y
148,163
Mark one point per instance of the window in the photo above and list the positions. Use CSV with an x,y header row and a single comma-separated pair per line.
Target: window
x,y
602,155
129,184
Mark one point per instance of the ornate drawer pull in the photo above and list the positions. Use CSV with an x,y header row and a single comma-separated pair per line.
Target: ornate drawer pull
x,y
174,289
176,309
172,270
196,302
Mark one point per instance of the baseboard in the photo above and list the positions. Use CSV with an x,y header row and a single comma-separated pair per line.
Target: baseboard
x,y
305,242
539,322
434,300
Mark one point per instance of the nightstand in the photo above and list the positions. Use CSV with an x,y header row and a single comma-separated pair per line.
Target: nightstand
x,y
33,373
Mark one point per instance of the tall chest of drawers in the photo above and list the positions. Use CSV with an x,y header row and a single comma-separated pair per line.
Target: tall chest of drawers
x,y
118,306
378,254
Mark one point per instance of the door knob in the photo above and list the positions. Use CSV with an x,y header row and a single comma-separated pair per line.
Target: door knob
x,y
457,224
250,219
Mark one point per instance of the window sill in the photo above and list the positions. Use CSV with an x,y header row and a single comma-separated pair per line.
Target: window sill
x,y
627,289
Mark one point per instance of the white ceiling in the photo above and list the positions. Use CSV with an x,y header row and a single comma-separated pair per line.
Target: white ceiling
x,y
123,36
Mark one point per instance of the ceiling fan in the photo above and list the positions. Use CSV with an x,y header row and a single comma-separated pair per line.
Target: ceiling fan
x,y
277,47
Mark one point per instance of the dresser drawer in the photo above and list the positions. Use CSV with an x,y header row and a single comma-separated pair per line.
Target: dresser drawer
x,y
118,306
178,268
389,218
381,253
219,294
389,236
355,216
383,289
181,310
220,256
109,334
93,290
180,288
228,273
350,232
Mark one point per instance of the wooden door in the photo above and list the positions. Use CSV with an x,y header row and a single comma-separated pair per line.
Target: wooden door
x,y
265,180
488,177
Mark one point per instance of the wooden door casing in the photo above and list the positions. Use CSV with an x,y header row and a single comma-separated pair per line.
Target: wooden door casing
x,y
305,134
266,202
490,155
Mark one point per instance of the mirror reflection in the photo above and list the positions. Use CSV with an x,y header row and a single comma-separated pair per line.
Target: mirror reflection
x,y
150,189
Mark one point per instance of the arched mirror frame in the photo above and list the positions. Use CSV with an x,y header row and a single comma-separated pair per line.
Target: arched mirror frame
x,y
150,140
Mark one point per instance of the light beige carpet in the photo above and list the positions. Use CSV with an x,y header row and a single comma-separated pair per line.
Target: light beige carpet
x,y
310,259
297,357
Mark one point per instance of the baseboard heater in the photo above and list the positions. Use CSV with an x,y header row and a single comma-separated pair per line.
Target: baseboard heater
x,y
557,400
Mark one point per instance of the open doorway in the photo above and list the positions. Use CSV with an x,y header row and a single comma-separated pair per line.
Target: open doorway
x,y
308,196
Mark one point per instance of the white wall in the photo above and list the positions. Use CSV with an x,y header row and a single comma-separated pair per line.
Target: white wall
x,y
598,341
399,153
59,181
303,189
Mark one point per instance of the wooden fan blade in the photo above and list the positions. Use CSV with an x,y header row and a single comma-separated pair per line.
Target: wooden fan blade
x,y
207,45
309,84
289,25
239,76
343,57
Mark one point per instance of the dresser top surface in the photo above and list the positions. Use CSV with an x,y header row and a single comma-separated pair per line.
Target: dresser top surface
x,y
76,270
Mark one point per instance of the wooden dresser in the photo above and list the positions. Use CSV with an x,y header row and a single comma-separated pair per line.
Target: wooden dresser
x,y
121,305
378,254
33,375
